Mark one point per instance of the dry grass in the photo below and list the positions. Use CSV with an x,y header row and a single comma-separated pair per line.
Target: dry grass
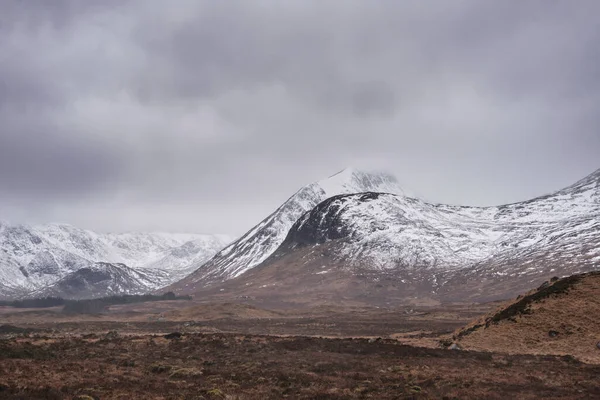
x,y
248,367
561,319
240,351
205,312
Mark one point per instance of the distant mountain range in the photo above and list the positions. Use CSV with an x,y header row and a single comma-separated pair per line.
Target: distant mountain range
x,y
356,237
66,261
353,237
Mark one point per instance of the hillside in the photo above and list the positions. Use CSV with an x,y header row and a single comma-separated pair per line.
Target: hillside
x,y
261,241
387,248
33,258
559,318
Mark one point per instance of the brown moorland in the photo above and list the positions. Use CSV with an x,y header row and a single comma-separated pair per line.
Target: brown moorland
x,y
542,345
561,317
238,366
239,351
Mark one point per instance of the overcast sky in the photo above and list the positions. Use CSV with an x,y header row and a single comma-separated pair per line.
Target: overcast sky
x,y
203,116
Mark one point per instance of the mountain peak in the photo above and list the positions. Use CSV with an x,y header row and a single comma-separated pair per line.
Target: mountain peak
x,y
594,177
352,180
587,188
346,172
262,240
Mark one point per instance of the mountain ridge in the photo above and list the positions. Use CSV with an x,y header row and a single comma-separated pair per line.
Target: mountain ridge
x,y
35,257
453,253
263,239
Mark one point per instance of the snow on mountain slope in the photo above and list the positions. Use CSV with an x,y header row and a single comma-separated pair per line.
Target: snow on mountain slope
x,y
181,261
387,231
503,249
262,240
458,253
32,258
134,249
99,280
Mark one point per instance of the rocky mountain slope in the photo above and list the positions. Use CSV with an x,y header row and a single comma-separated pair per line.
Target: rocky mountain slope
x,y
392,248
262,240
34,258
100,280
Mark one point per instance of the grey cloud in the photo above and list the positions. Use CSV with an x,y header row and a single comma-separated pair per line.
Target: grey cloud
x,y
207,114
42,161
56,14
237,46
23,84
359,58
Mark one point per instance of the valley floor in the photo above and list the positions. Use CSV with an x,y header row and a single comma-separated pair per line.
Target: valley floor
x,y
237,351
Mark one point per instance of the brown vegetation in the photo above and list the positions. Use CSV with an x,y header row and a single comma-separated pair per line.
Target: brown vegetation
x,y
559,318
238,366
239,351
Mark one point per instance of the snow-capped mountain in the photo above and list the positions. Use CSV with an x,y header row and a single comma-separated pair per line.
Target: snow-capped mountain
x,y
388,229
412,247
33,258
459,252
262,240
99,280
183,260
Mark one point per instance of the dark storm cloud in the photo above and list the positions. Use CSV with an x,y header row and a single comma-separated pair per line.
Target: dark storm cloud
x,y
207,114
